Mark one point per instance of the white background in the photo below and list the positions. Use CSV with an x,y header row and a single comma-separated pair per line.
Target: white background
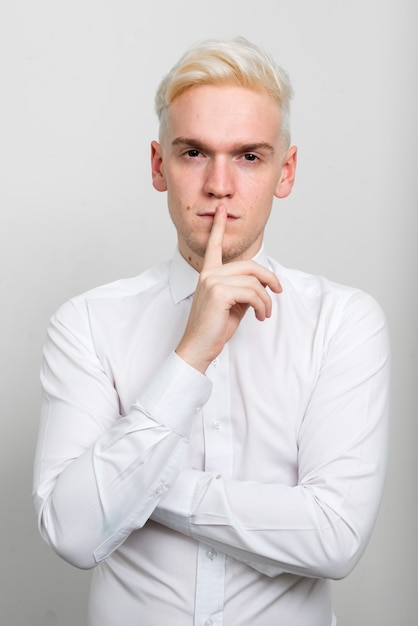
x,y
77,209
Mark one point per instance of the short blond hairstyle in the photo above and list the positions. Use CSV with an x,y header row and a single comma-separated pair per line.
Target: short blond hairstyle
x,y
226,62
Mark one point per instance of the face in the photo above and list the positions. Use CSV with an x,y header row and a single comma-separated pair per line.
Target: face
x,y
222,146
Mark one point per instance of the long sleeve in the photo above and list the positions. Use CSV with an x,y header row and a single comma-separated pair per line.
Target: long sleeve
x,y
154,472
319,526
98,473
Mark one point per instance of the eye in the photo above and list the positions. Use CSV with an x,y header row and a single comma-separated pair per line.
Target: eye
x,y
192,153
250,157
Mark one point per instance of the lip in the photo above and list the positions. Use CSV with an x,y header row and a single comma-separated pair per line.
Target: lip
x,y
210,215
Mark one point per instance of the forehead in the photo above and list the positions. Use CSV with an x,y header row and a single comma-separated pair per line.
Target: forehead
x,y
222,112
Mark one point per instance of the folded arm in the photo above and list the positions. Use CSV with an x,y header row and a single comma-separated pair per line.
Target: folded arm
x,y
98,474
320,526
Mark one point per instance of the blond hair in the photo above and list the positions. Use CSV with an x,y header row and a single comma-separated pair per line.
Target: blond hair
x,y
226,62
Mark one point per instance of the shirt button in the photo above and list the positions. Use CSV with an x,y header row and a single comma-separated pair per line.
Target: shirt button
x,y
211,554
198,409
159,490
215,361
208,622
217,424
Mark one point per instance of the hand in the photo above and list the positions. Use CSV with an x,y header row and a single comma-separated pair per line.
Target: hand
x,y
223,295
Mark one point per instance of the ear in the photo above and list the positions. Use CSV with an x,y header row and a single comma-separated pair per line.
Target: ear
x,y
287,175
158,179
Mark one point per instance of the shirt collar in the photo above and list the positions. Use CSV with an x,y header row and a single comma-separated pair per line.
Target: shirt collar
x,y
183,277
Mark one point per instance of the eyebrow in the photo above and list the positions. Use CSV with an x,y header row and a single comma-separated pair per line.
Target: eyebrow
x,y
238,148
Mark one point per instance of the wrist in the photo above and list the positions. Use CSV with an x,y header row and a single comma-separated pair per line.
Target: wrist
x,y
193,358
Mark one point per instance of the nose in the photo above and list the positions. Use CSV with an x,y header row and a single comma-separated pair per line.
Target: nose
x,y
219,180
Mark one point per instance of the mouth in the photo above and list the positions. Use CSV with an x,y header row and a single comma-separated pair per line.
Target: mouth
x,y
209,215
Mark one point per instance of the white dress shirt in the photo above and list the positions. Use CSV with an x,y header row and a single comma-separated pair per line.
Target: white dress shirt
x,y
220,499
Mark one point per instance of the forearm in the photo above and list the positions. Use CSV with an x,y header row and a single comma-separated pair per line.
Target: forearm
x,y
273,528
98,475
318,523
108,491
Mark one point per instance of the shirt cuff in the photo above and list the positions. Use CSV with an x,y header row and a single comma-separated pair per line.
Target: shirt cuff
x,y
175,508
174,396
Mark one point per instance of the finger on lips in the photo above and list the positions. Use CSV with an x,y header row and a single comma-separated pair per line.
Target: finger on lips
x,y
213,255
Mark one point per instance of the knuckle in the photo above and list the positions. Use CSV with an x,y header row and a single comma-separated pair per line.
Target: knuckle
x,y
208,280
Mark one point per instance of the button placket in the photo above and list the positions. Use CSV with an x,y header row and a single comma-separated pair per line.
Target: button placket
x,y
211,554
216,423
217,436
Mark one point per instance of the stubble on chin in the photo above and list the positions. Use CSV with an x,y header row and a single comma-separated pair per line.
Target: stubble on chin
x,y
230,253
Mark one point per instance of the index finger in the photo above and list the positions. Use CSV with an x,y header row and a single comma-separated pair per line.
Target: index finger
x,y
213,254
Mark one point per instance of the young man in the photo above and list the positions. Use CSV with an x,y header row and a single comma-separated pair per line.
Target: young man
x,y
216,465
